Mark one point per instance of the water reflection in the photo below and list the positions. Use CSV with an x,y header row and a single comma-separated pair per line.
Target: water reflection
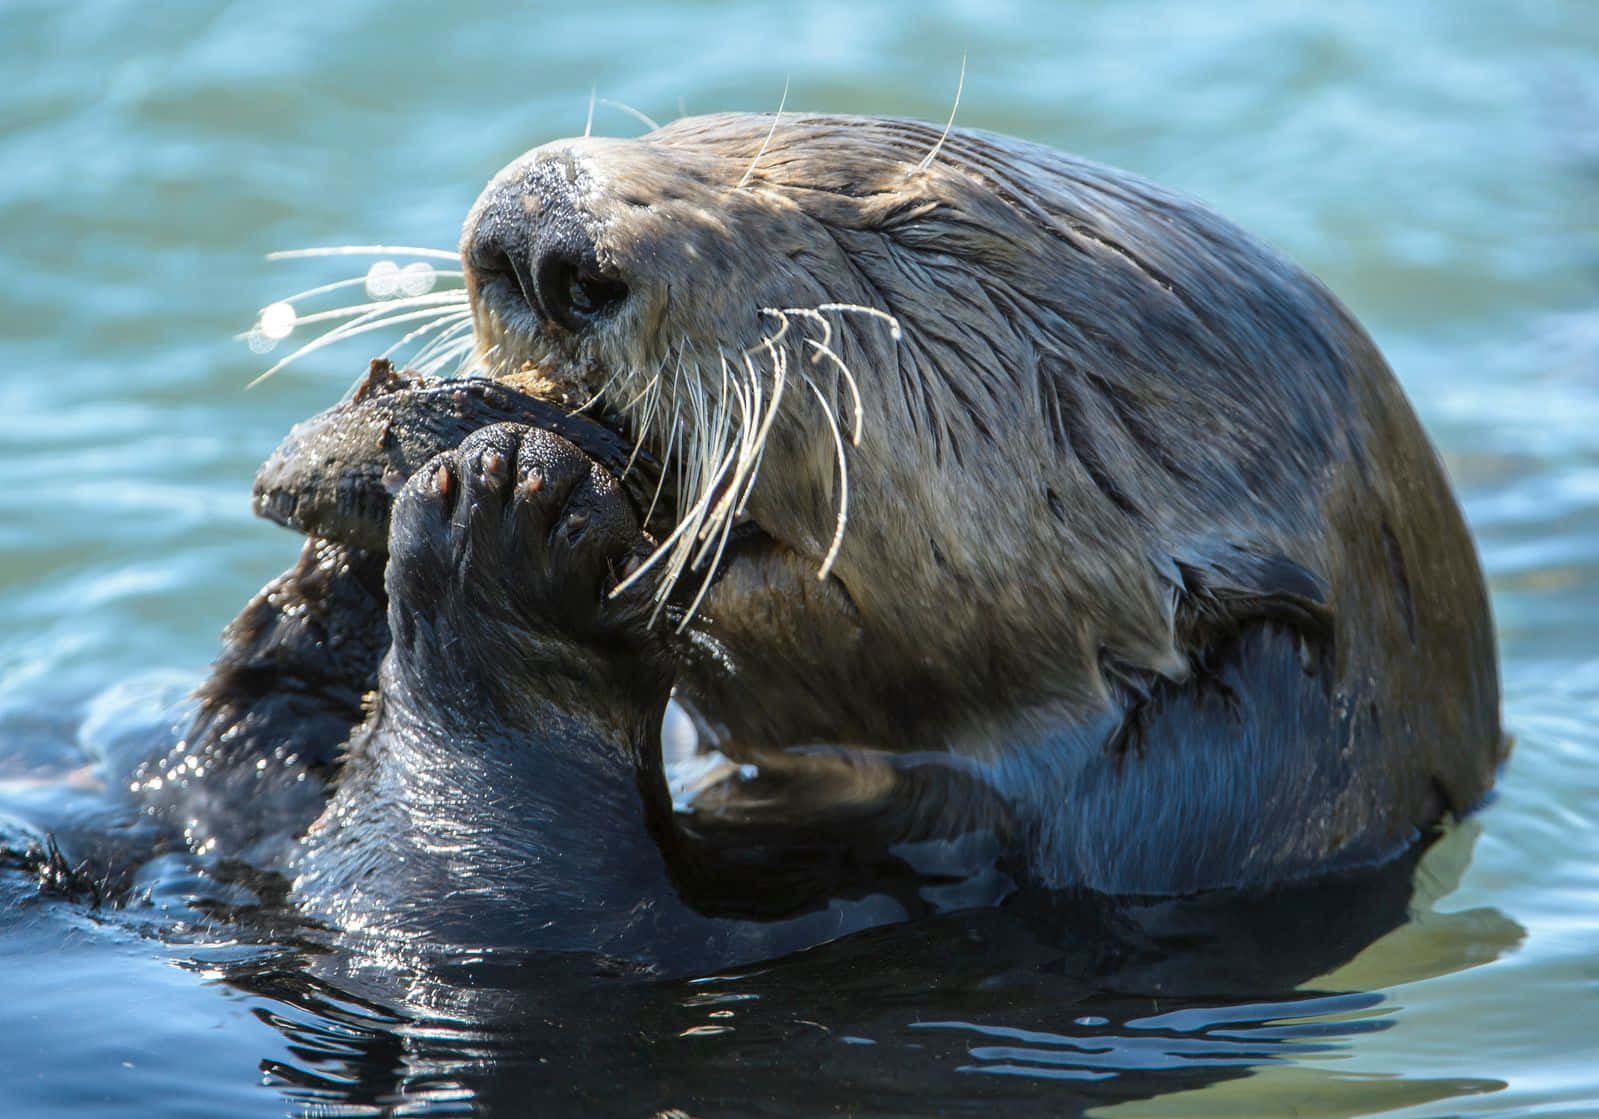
x,y
1062,1002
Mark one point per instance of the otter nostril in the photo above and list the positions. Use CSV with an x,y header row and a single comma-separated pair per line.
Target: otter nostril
x,y
496,266
574,292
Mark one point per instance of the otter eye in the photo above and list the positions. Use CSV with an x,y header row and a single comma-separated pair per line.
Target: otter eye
x,y
575,293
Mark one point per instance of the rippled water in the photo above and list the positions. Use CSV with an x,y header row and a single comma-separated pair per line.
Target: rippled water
x,y
1436,164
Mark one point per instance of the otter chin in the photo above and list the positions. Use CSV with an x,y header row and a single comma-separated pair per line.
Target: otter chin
x,y
1012,520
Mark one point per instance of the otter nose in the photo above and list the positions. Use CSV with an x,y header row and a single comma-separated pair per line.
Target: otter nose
x,y
526,244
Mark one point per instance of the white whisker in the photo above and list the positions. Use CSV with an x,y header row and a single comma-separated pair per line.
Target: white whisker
x,y
458,352
813,315
403,302
361,281
927,160
779,379
710,574
862,309
689,520
594,398
646,422
718,433
363,250
336,285
671,440
738,447
822,350
446,340
781,315
630,111
348,330
683,537
824,347
452,318
842,518
777,116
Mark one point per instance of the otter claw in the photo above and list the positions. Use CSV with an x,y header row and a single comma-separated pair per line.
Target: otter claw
x,y
493,466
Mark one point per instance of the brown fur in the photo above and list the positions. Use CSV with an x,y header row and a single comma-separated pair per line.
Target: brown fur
x,y
1115,433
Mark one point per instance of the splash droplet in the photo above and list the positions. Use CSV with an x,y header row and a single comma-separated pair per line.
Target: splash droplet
x,y
418,278
382,279
277,321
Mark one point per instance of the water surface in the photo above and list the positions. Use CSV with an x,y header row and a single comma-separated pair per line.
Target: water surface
x,y
1437,164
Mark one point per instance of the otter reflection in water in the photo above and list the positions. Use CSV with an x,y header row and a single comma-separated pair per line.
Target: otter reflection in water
x,y
1010,523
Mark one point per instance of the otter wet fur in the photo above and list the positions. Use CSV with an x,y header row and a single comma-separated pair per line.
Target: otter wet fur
x,y
1016,524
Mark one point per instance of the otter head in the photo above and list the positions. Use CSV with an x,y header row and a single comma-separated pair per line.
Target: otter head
x,y
999,383
700,297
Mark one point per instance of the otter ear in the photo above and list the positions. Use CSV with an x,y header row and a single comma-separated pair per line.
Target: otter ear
x,y
1236,584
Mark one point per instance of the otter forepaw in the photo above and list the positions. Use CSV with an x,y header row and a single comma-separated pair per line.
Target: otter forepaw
x,y
515,530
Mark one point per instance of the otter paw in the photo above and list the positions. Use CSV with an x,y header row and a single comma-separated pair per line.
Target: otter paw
x,y
514,530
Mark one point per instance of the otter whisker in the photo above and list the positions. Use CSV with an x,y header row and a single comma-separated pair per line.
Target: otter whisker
x,y
598,393
674,437
751,409
863,309
710,573
726,449
348,330
824,346
323,289
815,314
453,319
781,315
679,445
588,125
747,396
817,317
736,445
642,392
927,160
366,278
720,522
684,536
777,116
630,111
457,354
443,347
397,295
842,518
278,320
650,394
378,306
646,422
822,350
779,378
363,250
482,357
680,541
750,399
715,447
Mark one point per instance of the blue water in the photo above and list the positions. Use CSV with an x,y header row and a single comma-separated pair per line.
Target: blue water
x,y
1437,164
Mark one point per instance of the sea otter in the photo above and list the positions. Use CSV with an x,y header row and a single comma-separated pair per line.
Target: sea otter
x,y
1014,523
